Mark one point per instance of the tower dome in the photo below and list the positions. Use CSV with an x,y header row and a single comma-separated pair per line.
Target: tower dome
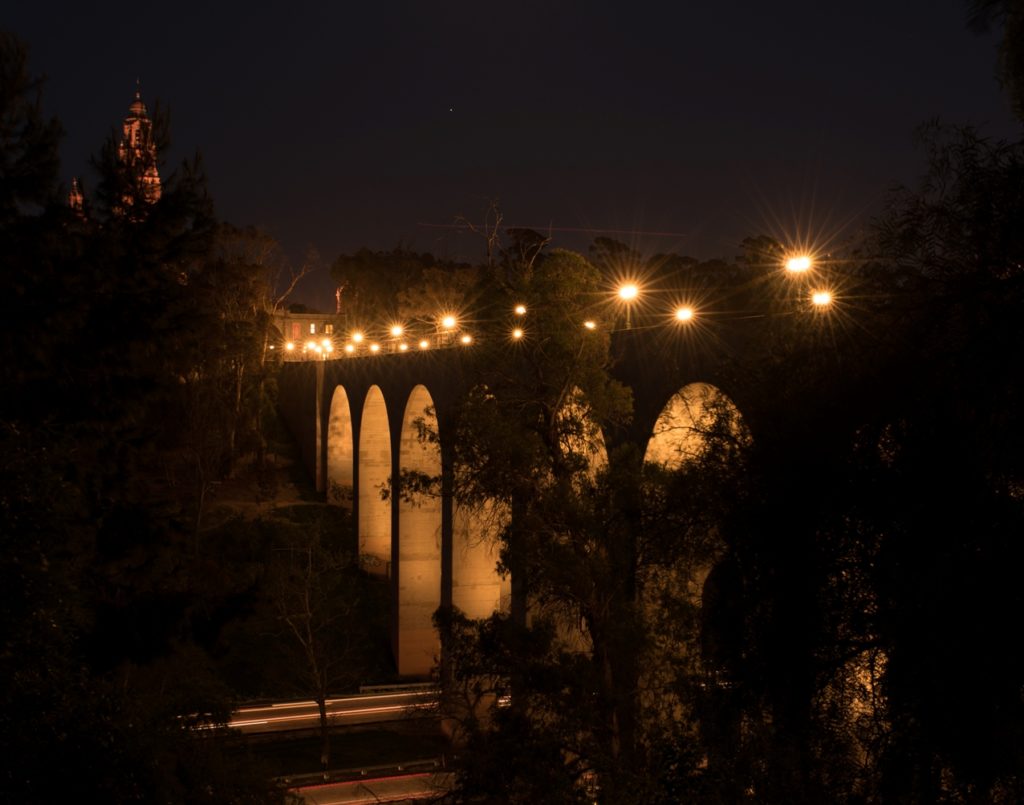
x,y
138,108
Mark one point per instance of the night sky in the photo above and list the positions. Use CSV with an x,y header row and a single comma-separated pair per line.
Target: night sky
x,y
673,126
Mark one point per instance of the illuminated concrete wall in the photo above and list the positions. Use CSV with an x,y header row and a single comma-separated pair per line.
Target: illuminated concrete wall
x,y
477,589
374,476
419,542
339,451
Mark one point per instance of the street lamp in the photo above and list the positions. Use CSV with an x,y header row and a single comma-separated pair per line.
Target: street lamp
x,y
684,313
628,293
821,298
799,264
397,331
448,324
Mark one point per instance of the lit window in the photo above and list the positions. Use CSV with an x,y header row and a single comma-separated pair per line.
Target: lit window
x,y
329,329
312,328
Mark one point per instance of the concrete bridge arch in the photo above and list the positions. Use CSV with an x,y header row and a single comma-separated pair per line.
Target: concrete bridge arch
x,y
344,412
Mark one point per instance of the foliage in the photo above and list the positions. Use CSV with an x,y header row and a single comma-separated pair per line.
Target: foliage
x,y
403,284
28,143
119,334
1010,15
809,610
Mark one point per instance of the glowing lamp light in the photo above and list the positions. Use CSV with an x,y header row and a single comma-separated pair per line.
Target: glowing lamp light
x,y
357,337
424,344
684,313
590,325
272,346
403,347
374,347
821,298
328,347
290,346
397,330
326,343
311,345
520,310
628,292
799,263
517,334
466,339
448,322
349,348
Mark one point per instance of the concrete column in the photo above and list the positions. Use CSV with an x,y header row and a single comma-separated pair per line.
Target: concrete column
x,y
419,541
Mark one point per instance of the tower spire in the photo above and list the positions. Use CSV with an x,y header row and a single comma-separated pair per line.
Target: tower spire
x,y
137,152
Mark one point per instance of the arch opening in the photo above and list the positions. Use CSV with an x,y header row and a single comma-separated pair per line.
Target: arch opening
x,y
697,419
340,451
374,477
696,580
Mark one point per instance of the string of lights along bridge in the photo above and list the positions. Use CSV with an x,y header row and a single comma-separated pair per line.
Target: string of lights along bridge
x,y
447,331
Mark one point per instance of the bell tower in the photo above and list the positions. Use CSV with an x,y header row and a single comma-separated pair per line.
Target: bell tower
x,y
137,152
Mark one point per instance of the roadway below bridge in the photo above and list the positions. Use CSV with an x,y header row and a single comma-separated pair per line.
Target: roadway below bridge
x,y
342,711
397,785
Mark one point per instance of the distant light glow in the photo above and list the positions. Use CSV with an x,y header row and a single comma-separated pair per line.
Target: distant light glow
x,y
466,339
517,333
326,343
374,347
448,322
397,330
424,344
328,347
311,345
272,346
684,313
520,310
349,348
357,337
799,263
290,346
821,298
628,292
590,325
403,347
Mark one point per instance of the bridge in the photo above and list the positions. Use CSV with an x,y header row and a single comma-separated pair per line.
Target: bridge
x,y
355,420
